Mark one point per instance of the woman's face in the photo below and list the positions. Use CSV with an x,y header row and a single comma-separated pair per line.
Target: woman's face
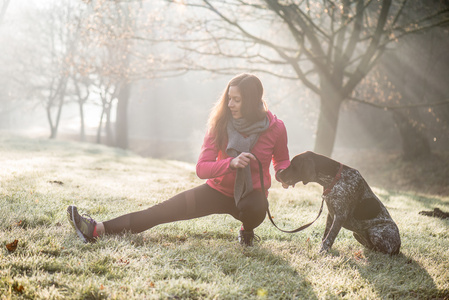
x,y
235,102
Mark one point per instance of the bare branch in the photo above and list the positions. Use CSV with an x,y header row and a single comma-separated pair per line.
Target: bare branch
x,y
363,66
353,40
404,32
399,12
290,60
395,107
231,71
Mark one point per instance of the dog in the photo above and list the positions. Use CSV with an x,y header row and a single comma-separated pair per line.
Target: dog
x,y
350,201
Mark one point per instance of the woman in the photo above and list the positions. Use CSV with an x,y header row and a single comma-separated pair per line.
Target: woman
x,y
240,128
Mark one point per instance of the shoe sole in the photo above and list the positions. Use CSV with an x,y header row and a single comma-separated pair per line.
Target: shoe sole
x,y
71,216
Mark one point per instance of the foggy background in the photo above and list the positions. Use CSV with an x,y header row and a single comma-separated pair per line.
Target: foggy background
x,y
67,65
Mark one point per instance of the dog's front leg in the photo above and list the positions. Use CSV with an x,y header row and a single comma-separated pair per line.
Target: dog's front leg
x,y
332,233
329,222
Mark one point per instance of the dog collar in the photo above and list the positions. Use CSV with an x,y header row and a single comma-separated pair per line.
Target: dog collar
x,y
336,178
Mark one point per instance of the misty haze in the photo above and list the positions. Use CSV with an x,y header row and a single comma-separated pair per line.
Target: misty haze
x,y
105,104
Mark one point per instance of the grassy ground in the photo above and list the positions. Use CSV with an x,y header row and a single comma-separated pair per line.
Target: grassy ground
x,y
197,259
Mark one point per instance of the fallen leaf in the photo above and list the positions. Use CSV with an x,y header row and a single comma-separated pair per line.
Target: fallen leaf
x,y
358,255
12,246
18,288
57,182
123,261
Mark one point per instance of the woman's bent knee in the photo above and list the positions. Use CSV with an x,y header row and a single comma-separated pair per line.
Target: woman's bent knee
x,y
252,209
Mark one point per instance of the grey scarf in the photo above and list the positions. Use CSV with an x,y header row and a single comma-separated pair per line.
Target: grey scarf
x,y
237,143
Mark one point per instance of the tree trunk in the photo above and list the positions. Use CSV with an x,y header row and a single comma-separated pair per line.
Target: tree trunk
x,y
414,139
121,122
327,127
81,101
330,100
109,133
59,92
58,116
50,122
82,128
100,125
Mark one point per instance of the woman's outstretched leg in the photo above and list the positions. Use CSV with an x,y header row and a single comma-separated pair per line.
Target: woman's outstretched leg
x,y
197,202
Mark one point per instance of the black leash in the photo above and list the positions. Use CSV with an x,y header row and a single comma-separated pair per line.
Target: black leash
x,y
268,210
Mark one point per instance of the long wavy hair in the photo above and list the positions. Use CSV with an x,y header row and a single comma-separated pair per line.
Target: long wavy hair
x,y
254,108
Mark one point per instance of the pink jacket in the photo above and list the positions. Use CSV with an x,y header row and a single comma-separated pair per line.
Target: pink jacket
x,y
214,165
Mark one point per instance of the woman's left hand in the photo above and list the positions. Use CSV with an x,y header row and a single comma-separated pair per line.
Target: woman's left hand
x,y
242,160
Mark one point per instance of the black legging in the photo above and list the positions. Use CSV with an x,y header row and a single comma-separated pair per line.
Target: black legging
x,y
197,202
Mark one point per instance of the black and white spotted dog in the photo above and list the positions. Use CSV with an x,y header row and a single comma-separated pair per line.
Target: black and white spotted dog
x,y
350,201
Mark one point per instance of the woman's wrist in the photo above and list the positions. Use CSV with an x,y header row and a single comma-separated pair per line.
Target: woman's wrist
x,y
230,164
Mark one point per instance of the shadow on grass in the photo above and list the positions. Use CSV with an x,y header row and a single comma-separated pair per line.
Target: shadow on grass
x,y
217,258
396,277
426,201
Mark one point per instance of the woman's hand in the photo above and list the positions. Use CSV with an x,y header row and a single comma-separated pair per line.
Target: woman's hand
x,y
242,160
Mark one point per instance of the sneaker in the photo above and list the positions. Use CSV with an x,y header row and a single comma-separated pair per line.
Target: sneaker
x,y
84,226
246,238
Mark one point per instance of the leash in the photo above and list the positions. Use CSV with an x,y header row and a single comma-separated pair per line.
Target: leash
x,y
268,210
336,178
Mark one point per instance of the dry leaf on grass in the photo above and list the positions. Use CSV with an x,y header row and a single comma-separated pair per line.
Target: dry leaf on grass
x,y
12,246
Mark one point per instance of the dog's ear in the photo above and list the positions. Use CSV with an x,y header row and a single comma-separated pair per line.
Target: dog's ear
x,y
308,171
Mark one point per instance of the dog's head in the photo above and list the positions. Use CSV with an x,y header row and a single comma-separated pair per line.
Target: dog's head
x,y
302,168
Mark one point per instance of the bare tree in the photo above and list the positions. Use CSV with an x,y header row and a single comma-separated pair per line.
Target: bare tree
x,y
121,51
410,82
87,51
418,76
15,79
329,46
62,39
46,69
